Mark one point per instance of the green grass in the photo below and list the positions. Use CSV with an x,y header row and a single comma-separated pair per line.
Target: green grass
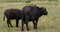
x,y
49,23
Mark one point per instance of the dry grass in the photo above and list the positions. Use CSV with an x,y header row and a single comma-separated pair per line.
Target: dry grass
x,y
49,23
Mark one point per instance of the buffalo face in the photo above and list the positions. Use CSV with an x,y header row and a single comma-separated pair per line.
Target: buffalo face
x,y
44,11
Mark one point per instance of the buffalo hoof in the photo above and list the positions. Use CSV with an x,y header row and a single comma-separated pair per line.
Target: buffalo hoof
x,y
35,28
17,26
12,26
8,27
27,29
22,30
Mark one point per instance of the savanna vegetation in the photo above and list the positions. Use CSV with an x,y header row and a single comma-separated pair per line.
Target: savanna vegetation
x,y
49,23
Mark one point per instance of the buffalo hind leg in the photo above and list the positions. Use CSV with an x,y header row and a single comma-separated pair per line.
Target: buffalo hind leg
x,y
27,26
9,23
22,26
26,22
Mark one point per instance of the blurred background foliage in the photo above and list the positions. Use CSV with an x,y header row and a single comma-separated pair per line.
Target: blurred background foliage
x,y
27,1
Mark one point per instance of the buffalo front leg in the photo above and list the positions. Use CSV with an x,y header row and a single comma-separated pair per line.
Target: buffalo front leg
x,y
8,23
35,24
17,22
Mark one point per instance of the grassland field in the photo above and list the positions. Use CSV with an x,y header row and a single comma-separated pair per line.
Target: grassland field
x,y
49,23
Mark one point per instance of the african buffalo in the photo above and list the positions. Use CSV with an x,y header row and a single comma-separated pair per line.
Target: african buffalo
x,y
12,14
32,13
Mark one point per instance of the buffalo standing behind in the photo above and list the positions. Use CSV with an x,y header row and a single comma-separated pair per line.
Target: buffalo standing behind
x,y
12,14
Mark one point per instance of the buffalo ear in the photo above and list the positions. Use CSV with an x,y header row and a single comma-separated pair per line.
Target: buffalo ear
x,y
43,8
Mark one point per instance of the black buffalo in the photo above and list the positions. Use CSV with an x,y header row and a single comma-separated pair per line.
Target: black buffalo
x,y
12,14
32,13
